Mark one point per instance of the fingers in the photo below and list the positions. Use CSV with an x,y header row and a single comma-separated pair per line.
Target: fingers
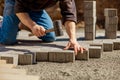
x,y
38,31
76,50
84,49
67,47
41,32
81,49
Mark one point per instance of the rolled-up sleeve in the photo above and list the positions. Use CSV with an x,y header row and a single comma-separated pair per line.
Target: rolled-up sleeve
x,y
68,10
19,6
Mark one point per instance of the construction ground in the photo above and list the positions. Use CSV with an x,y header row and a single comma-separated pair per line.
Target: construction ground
x,y
105,68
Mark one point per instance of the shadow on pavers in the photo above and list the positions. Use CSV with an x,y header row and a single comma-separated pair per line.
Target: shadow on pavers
x,y
3,48
39,43
97,37
100,37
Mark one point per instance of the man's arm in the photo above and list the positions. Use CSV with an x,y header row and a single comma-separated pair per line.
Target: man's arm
x,y
21,12
71,31
68,11
28,22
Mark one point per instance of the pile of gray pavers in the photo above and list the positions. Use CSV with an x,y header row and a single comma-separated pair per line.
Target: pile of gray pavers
x,y
95,51
90,19
111,23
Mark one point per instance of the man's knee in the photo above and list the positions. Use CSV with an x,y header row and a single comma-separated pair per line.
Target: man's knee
x,y
8,42
8,38
8,32
49,37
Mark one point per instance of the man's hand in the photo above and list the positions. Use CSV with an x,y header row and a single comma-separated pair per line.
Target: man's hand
x,y
38,30
71,31
74,45
33,26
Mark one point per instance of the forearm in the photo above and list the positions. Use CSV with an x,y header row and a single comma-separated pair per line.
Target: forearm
x,y
71,30
26,20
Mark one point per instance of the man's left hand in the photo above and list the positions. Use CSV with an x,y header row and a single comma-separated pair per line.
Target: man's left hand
x,y
74,45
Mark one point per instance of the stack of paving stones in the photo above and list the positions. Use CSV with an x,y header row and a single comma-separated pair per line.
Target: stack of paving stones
x,y
90,19
111,23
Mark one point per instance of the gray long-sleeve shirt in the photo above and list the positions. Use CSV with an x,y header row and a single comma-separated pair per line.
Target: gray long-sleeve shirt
x,y
68,8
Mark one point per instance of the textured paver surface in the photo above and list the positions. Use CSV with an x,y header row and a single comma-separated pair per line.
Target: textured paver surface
x,y
105,68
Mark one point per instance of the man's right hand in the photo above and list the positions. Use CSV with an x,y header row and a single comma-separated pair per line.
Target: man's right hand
x,y
38,30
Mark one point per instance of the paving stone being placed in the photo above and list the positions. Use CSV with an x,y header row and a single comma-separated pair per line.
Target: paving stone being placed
x,y
82,56
107,46
110,12
116,45
95,52
42,56
62,56
10,58
27,59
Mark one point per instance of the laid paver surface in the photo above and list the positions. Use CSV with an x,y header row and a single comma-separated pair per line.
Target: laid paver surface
x,y
105,68
33,44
